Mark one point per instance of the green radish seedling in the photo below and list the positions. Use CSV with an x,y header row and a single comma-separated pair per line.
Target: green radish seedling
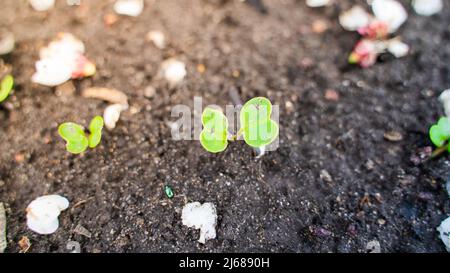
x,y
214,135
75,137
6,86
257,129
440,135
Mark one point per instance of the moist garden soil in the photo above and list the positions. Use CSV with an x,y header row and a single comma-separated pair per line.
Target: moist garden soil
x,y
334,184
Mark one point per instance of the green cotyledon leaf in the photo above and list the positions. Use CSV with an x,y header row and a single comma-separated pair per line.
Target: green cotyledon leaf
x,y
440,132
70,131
256,126
214,136
261,134
75,137
255,110
76,147
6,86
95,127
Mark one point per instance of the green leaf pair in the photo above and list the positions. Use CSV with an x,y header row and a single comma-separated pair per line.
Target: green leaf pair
x,y
440,132
76,139
6,86
257,128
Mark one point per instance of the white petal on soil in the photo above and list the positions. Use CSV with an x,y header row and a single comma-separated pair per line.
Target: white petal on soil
x,y
7,42
391,12
203,217
354,18
60,59
157,38
173,71
42,5
444,232
397,48
445,100
51,72
64,46
317,3
129,7
427,7
112,114
43,212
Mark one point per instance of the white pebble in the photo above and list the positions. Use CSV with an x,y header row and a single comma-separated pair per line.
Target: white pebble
x,y
203,217
129,7
445,100
391,12
317,3
7,42
427,7
112,114
354,18
444,232
51,72
42,5
397,48
43,212
173,71
157,38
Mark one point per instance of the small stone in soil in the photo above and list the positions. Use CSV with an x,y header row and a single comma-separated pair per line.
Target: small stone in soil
x,y
393,136
319,26
2,228
79,229
426,196
331,95
320,231
325,176
369,165
24,244
373,247
421,155
65,89
149,92
110,19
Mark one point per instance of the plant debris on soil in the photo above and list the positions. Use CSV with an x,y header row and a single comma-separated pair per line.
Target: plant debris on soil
x,y
347,176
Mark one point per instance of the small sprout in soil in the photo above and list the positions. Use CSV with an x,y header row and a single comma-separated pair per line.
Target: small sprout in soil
x,y
76,139
6,86
257,129
168,191
440,136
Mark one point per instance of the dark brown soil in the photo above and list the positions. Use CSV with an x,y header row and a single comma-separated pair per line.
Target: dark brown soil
x,y
279,203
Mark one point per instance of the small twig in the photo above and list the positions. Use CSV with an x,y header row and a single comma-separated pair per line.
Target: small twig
x,y
81,202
